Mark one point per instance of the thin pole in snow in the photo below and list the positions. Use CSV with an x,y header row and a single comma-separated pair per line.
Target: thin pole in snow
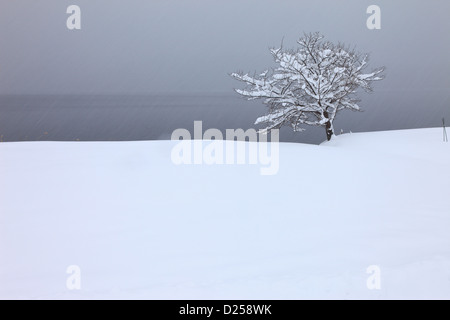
x,y
445,131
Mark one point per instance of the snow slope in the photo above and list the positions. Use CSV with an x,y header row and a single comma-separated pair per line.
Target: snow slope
x,y
139,226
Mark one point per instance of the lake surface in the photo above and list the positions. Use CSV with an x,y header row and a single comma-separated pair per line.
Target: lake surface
x,y
153,117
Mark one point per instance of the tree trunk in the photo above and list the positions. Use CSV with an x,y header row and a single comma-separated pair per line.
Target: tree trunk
x,y
328,127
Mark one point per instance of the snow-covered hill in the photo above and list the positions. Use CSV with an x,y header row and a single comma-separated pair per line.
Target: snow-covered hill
x,y
139,226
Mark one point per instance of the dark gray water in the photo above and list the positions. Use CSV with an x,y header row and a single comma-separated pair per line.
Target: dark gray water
x,y
108,118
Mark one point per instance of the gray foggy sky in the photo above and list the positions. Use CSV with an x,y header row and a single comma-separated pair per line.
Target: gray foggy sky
x,y
180,46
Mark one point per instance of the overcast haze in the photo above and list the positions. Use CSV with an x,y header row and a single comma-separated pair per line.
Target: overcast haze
x,y
182,46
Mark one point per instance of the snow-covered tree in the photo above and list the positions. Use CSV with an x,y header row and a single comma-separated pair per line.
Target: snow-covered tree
x,y
310,85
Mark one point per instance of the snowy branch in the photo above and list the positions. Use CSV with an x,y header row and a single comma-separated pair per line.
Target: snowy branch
x,y
310,85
